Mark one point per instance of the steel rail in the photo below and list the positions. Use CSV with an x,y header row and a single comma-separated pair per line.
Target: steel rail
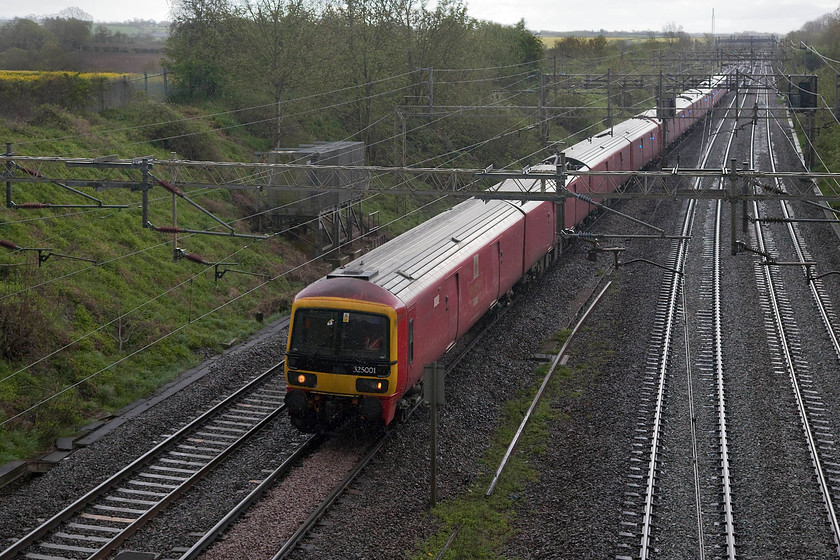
x,y
726,479
813,446
253,497
720,382
555,362
779,323
701,537
327,503
664,342
89,498
800,253
672,300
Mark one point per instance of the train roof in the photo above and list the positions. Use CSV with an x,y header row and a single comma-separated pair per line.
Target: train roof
x,y
409,263
593,150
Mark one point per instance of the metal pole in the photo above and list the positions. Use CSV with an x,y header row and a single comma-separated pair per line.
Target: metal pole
x,y
609,103
744,214
559,183
662,111
812,137
402,135
733,208
174,216
144,189
395,136
9,202
543,114
431,89
433,413
737,104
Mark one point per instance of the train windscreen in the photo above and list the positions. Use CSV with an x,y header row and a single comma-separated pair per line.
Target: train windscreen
x,y
339,334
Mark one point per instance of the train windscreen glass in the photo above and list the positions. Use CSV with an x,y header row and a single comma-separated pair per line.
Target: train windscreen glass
x,y
340,334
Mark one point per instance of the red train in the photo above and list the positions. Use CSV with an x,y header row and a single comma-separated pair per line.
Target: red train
x,y
360,336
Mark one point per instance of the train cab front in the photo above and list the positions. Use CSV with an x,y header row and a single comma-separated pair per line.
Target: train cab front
x,y
341,361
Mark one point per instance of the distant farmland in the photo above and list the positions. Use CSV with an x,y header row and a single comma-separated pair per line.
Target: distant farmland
x,y
550,40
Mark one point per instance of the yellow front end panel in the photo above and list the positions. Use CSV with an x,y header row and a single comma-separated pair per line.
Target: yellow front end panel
x,y
345,384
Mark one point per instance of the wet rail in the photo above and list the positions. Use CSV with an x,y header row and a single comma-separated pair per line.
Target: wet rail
x,y
98,522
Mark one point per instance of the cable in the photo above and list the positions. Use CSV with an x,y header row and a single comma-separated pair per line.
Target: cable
x,y
229,112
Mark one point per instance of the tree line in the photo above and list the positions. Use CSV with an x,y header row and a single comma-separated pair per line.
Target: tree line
x,y
280,56
50,45
417,84
814,50
53,43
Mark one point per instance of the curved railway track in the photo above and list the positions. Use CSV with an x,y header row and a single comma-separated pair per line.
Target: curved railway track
x,y
323,501
98,522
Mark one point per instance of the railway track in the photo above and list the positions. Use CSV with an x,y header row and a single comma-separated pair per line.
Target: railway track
x,y
712,365
98,522
811,406
716,515
638,519
279,539
647,491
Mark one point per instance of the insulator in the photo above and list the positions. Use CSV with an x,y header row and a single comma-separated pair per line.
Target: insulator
x,y
9,245
585,198
195,258
30,171
169,229
772,188
585,235
31,205
170,187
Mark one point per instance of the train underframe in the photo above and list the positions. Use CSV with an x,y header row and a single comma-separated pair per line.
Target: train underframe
x,y
319,413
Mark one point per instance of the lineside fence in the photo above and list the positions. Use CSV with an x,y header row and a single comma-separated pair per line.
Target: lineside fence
x,y
120,91
26,93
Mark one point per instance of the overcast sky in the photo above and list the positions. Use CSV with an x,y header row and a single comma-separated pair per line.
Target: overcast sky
x,y
775,16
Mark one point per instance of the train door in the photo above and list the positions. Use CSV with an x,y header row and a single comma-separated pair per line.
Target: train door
x,y
452,312
604,185
498,250
414,372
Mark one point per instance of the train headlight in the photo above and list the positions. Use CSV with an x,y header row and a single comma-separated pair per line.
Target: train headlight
x,y
303,379
371,385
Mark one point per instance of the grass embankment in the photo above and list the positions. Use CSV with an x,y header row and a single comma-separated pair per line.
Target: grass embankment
x,y
486,524
80,340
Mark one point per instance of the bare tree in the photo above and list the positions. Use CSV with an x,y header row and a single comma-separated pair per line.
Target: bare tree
x,y
671,31
279,34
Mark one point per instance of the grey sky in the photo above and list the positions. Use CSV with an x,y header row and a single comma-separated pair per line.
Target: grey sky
x,y
777,16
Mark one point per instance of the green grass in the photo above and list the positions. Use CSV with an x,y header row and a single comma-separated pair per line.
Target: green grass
x,y
82,340
486,524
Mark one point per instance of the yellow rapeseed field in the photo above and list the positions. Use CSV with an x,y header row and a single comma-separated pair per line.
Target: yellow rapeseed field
x,y
34,76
